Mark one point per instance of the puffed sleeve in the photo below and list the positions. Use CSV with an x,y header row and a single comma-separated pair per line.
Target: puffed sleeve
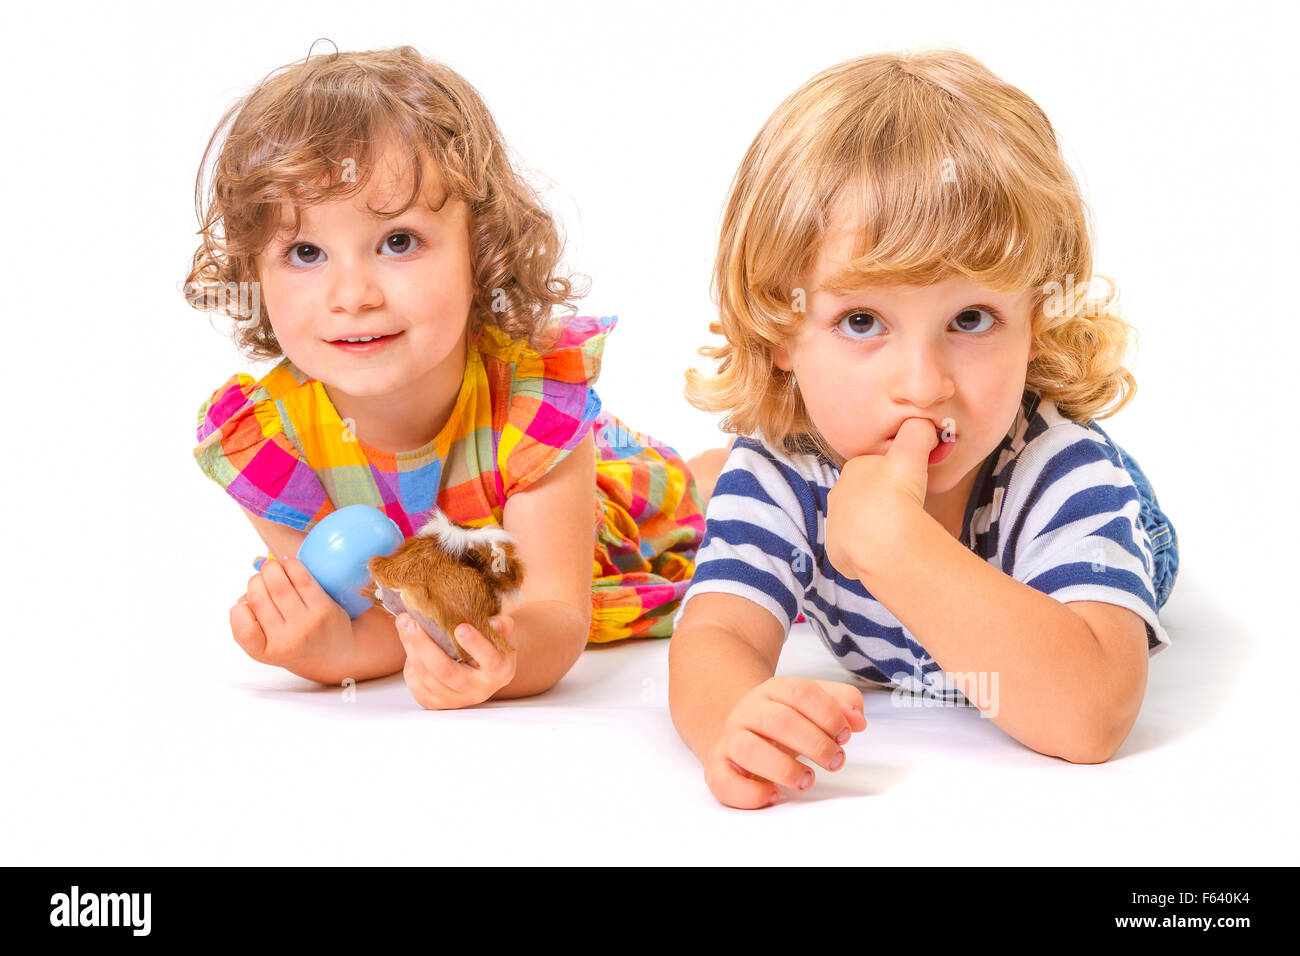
x,y
551,403
242,446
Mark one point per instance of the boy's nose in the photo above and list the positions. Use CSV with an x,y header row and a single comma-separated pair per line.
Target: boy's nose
x,y
921,379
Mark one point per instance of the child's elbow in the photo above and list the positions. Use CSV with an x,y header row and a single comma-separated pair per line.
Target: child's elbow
x,y
1097,747
1090,755
527,686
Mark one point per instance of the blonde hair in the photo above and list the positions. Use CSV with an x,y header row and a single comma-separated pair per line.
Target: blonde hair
x,y
951,171
309,133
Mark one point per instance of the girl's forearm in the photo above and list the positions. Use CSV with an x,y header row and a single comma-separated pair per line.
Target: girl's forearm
x,y
1043,676
374,651
549,638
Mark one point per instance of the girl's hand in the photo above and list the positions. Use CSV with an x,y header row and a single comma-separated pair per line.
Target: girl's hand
x,y
439,683
871,496
779,720
286,619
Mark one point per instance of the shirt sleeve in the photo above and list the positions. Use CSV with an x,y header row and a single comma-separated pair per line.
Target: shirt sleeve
x,y
551,403
756,534
1077,534
242,446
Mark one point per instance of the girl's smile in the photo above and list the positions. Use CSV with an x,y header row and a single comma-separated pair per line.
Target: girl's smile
x,y
365,344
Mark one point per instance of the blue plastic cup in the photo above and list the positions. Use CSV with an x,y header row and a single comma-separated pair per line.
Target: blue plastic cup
x,y
338,549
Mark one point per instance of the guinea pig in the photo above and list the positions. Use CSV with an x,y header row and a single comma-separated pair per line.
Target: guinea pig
x,y
445,575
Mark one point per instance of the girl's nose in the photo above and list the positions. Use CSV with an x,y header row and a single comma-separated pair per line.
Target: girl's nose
x,y
353,288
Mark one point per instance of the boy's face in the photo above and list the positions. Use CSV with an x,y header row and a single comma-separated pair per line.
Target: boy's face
x,y
867,360
349,273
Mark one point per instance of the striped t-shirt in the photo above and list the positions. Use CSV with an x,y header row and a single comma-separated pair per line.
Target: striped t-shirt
x,y
1052,506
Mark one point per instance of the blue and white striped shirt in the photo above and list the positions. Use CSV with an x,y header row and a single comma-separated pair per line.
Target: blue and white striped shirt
x,y
1052,506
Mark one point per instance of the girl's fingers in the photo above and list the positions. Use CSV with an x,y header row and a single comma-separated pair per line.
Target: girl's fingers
x,y
264,608
426,692
281,588
484,653
428,659
306,586
506,628
247,632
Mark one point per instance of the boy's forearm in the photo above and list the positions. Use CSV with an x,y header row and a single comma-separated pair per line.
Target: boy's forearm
x,y
709,670
549,637
1050,683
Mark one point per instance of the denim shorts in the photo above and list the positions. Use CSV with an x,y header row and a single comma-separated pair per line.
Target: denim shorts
x,y
1164,540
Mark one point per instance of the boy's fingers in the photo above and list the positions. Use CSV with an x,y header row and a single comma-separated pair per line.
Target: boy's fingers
x,y
736,788
815,702
849,699
794,734
763,758
912,445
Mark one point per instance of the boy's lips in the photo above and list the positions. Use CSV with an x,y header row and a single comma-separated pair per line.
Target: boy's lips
x,y
940,451
938,429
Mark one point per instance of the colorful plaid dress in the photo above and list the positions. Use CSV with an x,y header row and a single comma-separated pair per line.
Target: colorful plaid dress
x,y
278,447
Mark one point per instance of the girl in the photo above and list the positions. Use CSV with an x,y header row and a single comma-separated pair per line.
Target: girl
x,y
366,228
915,374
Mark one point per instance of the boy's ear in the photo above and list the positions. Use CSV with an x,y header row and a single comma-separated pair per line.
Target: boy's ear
x,y
781,358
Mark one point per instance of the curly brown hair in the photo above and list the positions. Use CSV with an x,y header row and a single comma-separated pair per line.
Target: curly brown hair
x,y
309,132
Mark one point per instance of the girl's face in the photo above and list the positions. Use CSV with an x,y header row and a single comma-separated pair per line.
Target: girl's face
x,y
349,273
867,360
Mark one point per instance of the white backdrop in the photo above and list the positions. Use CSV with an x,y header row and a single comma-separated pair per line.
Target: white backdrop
x,y
135,731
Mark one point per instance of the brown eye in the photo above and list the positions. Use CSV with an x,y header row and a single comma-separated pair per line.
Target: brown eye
x,y
400,243
969,320
302,254
859,325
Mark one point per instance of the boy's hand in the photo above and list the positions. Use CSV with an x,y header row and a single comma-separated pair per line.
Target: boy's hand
x,y
870,496
780,719
440,683
286,619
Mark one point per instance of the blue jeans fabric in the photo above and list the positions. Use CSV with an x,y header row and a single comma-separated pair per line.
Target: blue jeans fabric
x,y
1164,539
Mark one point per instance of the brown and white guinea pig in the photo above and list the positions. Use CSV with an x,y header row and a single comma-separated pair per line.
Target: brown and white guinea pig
x,y
446,575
